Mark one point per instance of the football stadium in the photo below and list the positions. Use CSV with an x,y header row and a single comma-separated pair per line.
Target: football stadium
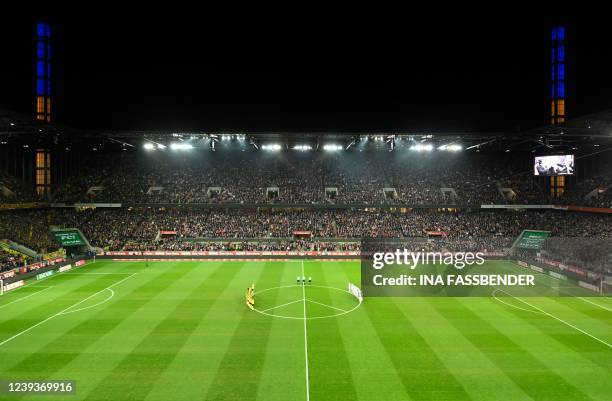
x,y
193,262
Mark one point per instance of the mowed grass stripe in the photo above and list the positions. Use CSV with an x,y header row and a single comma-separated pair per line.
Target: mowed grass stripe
x,y
329,366
134,377
283,374
574,367
197,362
422,372
481,378
70,345
39,310
580,313
104,355
61,282
374,375
240,370
528,372
571,338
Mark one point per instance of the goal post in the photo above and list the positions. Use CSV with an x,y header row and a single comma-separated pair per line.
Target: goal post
x,y
1,287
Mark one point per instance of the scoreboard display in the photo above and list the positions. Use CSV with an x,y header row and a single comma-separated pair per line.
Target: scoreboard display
x,y
69,237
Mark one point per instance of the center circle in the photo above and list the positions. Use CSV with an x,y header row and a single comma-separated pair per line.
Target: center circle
x,y
298,300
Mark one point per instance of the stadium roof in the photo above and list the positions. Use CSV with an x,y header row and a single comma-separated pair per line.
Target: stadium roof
x,y
590,130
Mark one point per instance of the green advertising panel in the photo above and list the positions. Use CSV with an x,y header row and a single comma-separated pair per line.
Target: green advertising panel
x,y
70,237
532,239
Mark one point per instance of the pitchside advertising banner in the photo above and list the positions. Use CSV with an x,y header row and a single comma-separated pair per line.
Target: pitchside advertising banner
x,y
68,237
481,267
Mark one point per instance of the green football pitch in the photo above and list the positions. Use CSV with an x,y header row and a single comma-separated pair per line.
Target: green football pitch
x,y
181,331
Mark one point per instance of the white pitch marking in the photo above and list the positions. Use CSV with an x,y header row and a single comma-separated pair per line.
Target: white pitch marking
x,y
112,294
327,306
512,306
27,296
280,306
305,338
561,320
62,311
561,288
311,317
596,304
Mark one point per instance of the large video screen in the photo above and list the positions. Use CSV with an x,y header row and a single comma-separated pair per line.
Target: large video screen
x,y
554,165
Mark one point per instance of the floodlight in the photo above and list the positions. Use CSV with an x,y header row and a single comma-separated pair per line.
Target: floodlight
x,y
149,146
451,147
274,147
422,147
332,147
302,147
181,146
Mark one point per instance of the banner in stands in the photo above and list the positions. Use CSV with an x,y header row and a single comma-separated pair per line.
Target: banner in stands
x,y
80,263
64,268
231,253
557,275
487,206
14,285
70,237
532,239
561,266
536,268
8,274
607,210
44,263
60,253
14,206
588,286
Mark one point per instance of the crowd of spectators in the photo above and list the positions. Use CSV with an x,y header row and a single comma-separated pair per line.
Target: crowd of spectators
x,y
9,261
189,229
30,228
13,190
342,178
588,253
112,227
367,178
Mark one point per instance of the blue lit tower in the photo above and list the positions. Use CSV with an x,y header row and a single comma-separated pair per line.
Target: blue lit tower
x,y
43,72
557,103
42,174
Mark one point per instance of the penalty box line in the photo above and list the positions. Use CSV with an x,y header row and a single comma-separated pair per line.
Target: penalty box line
x,y
559,319
64,310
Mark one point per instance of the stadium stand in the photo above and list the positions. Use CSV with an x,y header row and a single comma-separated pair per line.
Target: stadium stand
x,y
584,239
297,179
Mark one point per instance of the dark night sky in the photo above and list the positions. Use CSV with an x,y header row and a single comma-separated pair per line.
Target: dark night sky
x,y
312,73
